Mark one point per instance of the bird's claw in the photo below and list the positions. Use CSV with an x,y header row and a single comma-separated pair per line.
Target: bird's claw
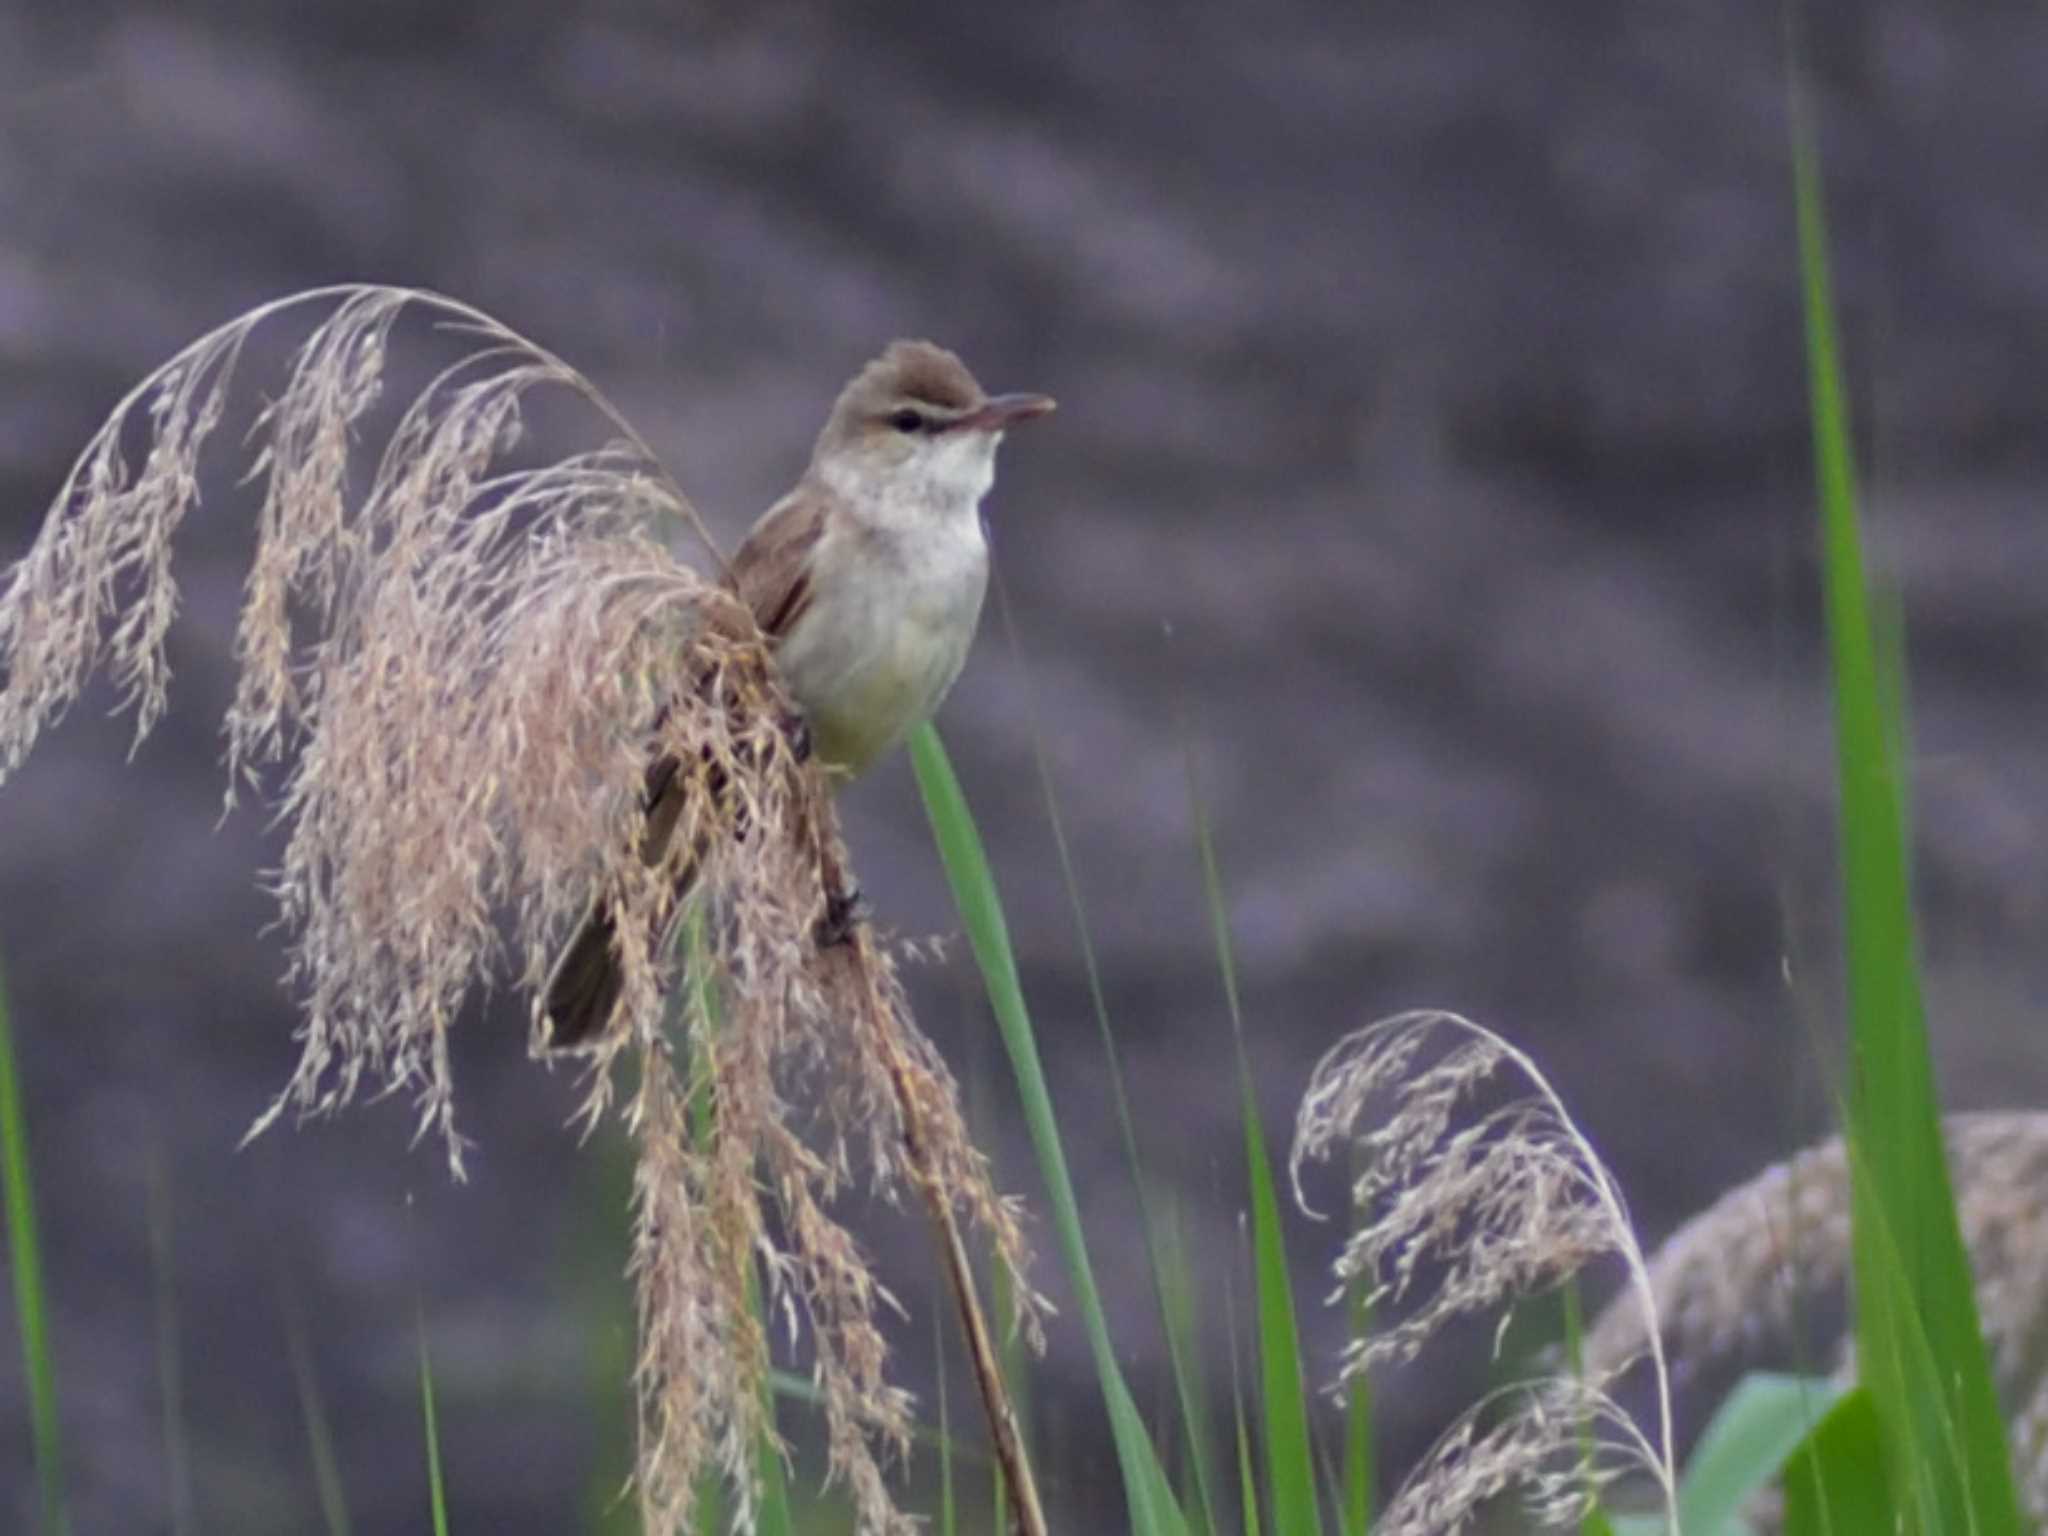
x,y
796,730
843,909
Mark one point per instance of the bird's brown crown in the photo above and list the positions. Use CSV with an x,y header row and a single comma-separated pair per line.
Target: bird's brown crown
x,y
915,371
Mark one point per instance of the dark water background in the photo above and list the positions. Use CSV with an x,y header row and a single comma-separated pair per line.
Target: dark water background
x,y
1431,458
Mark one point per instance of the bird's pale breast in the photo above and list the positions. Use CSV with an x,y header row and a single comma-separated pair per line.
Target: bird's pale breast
x,y
882,643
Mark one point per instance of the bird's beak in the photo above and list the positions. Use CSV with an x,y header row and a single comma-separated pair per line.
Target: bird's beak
x,y
1001,412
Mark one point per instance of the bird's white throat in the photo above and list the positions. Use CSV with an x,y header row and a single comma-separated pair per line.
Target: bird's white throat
x,y
937,490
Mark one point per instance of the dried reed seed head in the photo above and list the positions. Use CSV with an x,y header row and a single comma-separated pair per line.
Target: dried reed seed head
x,y
1473,1187
1764,1257
488,657
1460,1206
2029,1428
1744,1271
1554,1446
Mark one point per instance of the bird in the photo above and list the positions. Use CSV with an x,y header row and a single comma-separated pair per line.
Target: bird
x,y
867,580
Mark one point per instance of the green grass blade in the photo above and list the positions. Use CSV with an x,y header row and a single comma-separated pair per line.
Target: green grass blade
x,y
1746,1445
772,1513
600,1296
699,1001
436,1491
1920,1345
1836,1483
1247,1479
948,1515
1017,1382
1290,1460
1150,1498
31,1299
327,1483
1174,1274
1171,1280
1594,1522
709,1512
1290,1457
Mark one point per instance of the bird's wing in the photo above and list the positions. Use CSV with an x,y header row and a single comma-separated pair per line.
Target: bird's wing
x,y
770,573
772,570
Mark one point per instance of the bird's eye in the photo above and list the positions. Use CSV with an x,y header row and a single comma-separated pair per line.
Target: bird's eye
x,y
907,420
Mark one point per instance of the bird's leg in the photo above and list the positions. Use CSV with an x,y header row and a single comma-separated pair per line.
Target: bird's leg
x,y
843,909
796,730
844,905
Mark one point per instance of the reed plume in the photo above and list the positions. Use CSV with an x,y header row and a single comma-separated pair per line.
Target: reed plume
x,y
458,675
1769,1260
1474,1188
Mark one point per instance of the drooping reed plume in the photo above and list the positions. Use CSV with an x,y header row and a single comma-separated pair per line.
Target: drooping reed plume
x,y
1760,1267
459,671
1474,1188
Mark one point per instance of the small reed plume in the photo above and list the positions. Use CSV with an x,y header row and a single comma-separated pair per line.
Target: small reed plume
x,y
1764,1262
1464,1202
1555,1445
460,674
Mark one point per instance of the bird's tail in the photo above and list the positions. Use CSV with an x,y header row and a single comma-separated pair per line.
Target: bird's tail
x,y
584,987
583,990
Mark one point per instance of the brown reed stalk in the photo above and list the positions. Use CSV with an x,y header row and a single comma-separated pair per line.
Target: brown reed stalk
x,y
912,1088
921,1098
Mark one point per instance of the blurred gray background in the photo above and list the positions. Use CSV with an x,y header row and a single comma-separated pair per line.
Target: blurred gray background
x,y
1431,467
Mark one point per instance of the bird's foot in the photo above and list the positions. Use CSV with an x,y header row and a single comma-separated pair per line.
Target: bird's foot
x,y
843,909
796,730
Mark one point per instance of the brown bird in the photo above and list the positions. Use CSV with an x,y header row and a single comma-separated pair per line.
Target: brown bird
x,y
867,578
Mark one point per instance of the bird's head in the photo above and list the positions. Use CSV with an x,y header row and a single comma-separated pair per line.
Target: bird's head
x,y
913,424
